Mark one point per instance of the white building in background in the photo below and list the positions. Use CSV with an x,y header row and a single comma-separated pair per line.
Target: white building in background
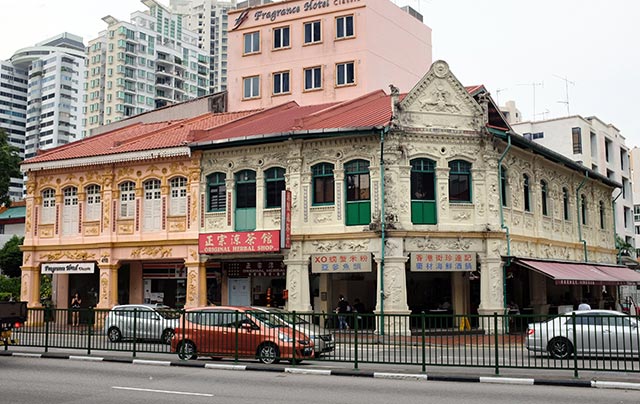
x,y
138,66
41,97
598,146
511,112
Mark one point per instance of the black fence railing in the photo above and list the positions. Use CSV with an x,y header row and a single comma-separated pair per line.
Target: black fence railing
x,y
596,340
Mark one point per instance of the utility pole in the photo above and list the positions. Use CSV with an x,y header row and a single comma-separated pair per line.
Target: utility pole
x,y
533,88
566,90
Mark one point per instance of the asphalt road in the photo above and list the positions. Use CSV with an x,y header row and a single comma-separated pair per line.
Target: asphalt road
x,y
33,381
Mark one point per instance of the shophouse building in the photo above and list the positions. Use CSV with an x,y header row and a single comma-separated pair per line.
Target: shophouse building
x,y
322,51
402,200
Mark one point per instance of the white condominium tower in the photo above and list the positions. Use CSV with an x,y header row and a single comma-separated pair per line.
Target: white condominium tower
x,y
138,66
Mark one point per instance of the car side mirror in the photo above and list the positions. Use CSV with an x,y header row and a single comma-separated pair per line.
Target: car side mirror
x,y
246,326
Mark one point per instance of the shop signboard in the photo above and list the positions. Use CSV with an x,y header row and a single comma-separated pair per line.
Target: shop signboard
x,y
239,242
68,268
285,220
239,269
443,261
341,263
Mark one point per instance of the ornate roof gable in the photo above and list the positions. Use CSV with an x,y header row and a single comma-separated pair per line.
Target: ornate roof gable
x,y
440,101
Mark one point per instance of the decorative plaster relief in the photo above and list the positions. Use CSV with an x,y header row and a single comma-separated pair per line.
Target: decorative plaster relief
x,y
92,229
125,227
340,246
72,255
163,252
215,221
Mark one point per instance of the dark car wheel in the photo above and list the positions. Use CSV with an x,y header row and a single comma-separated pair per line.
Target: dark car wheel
x,y
268,353
114,334
167,335
187,350
560,348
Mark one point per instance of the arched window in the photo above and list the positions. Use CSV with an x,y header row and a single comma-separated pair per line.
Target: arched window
x,y
152,208
527,193
70,211
358,192
503,186
565,203
127,199
543,197
94,207
48,206
459,181
217,190
602,219
245,213
178,201
583,208
323,184
274,185
423,191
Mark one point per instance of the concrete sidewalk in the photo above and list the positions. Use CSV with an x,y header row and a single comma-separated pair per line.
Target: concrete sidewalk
x,y
586,378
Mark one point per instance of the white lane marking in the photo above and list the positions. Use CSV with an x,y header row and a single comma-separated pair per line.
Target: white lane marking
x,y
320,372
225,367
27,355
615,385
400,376
150,362
506,380
184,393
86,358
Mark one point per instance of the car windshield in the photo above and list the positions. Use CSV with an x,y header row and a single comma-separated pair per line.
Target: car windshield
x,y
169,314
289,318
269,319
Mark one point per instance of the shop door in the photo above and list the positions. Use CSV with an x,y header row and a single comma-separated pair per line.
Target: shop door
x,y
239,292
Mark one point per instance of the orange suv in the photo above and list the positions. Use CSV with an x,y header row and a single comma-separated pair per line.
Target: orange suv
x,y
229,331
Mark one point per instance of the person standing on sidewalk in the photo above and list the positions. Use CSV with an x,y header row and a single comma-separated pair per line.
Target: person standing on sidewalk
x,y
342,310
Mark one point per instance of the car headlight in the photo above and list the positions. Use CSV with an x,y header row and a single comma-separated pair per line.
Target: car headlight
x,y
284,337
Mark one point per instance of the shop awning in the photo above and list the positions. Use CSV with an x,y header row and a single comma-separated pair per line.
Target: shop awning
x,y
578,273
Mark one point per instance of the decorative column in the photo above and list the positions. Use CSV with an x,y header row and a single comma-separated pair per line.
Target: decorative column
x,y
491,286
395,290
196,284
108,286
30,290
442,193
298,279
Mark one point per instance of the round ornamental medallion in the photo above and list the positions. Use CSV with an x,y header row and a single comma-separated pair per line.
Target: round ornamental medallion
x,y
440,68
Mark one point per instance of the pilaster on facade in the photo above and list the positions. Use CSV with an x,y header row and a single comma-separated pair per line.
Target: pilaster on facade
x,y
196,284
299,298
108,294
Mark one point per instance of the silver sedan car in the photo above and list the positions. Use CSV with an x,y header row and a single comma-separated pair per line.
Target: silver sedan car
x,y
586,333
146,321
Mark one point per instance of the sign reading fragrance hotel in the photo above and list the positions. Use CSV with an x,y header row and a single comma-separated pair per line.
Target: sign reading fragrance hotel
x,y
347,262
68,268
239,242
443,261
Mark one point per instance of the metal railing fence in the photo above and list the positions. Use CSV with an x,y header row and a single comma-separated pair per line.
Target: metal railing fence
x,y
574,342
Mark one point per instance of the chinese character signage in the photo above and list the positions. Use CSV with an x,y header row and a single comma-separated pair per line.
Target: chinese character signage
x,y
254,268
447,261
239,242
68,268
340,263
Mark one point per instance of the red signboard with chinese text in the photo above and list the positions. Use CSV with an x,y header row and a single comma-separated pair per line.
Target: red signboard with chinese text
x,y
239,242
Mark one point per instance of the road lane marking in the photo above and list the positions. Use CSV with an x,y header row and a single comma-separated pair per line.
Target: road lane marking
x,y
86,358
184,393
150,362
506,380
321,372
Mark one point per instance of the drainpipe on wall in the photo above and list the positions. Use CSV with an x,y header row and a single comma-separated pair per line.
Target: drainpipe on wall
x,y
579,217
382,230
502,225
615,231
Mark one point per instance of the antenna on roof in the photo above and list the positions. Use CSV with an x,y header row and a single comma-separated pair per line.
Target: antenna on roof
x,y
533,87
566,89
498,91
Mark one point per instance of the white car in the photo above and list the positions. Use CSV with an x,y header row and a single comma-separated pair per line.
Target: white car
x,y
592,333
322,339
150,321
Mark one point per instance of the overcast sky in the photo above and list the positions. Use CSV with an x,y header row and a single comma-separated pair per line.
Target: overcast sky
x,y
507,45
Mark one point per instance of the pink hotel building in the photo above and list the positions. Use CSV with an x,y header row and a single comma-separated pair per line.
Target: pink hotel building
x,y
315,51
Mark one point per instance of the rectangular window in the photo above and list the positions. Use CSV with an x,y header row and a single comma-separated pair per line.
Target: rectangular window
x,y
281,83
344,27
576,135
636,213
607,150
313,78
312,32
252,42
281,38
251,87
345,74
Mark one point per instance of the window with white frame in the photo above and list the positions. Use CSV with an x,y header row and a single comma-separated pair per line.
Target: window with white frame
x,y
178,204
345,74
127,200
48,206
344,27
152,208
312,32
281,83
281,38
313,78
252,42
70,211
93,205
251,87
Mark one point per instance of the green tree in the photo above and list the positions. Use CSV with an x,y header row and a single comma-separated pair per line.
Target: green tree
x,y
9,288
624,248
9,167
11,257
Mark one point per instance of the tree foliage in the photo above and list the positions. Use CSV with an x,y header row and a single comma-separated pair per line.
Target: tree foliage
x,y
9,167
11,257
9,288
